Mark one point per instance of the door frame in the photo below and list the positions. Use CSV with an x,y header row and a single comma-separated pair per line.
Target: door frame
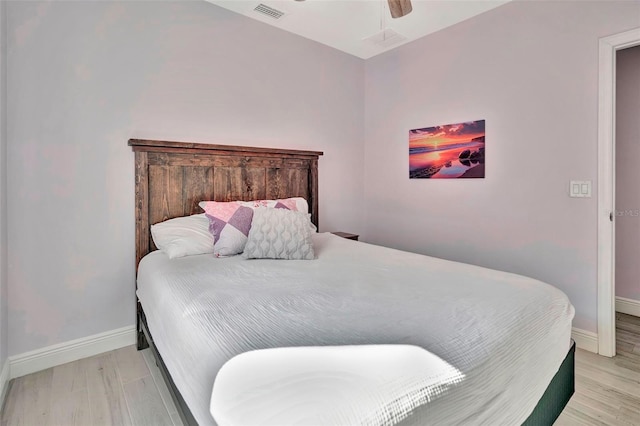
x,y
608,47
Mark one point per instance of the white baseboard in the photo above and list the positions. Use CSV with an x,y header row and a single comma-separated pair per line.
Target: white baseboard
x,y
628,306
4,382
41,359
586,340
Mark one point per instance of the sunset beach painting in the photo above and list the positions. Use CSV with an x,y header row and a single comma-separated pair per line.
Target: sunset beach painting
x,y
449,151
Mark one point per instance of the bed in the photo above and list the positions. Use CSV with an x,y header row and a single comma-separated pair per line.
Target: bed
x,y
188,310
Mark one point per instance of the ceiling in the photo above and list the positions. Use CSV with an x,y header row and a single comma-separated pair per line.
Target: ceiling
x,y
356,26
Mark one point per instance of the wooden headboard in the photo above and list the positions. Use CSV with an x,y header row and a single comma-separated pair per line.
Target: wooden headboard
x,y
173,177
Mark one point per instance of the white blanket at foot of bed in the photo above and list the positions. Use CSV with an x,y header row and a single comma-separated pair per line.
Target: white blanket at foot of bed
x,y
328,385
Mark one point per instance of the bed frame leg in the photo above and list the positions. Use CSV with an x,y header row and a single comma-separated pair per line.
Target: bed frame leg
x,y
141,339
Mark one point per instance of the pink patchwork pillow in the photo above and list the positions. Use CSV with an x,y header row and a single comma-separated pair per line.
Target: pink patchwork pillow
x,y
230,222
295,204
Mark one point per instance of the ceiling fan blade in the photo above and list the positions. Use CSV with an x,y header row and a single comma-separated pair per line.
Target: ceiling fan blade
x,y
399,8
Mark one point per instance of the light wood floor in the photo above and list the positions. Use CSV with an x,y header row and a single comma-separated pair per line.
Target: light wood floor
x,y
124,387
121,387
608,389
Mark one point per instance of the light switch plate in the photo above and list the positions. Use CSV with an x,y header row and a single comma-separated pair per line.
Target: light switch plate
x,y
580,188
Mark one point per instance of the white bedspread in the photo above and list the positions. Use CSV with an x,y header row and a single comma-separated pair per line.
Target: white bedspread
x,y
329,385
505,334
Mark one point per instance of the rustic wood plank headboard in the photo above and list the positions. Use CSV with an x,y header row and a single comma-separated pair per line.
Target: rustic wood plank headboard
x,y
171,178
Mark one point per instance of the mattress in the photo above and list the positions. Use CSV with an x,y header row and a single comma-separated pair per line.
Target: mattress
x,y
506,335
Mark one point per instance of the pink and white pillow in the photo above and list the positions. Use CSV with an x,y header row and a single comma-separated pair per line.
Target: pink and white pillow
x,y
296,204
230,222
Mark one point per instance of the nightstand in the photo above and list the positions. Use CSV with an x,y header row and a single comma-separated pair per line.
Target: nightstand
x,y
347,235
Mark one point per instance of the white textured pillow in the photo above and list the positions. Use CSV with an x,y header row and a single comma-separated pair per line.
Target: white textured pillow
x,y
183,236
279,234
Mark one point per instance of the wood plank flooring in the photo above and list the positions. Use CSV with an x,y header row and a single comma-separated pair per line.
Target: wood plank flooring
x,y
608,389
121,387
124,387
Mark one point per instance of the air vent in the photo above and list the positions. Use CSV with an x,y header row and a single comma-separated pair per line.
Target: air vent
x,y
269,11
386,38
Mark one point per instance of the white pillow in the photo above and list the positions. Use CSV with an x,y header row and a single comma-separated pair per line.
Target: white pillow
x,y
183,236
279,234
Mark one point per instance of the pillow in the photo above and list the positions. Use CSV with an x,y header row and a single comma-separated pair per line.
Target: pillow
x,y
279,234
183,236
229,222
296,203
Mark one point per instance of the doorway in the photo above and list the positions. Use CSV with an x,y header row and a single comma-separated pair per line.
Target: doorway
x,y
608,47
627,196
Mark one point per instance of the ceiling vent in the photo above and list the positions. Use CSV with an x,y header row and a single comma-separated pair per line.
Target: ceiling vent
x,y
269,11
386,38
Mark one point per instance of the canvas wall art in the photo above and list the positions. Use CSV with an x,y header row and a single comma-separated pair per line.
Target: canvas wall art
x,y
450,151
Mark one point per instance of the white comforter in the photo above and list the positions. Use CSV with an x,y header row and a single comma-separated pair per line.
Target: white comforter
x,y
503,335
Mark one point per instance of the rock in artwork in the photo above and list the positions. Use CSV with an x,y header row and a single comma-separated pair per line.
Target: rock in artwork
x,y
449,151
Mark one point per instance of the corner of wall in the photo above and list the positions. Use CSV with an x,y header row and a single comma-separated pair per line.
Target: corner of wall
x,y
4,382
3,196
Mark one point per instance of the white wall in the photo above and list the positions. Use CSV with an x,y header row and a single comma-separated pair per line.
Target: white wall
x,y
84,77
628,173
530,69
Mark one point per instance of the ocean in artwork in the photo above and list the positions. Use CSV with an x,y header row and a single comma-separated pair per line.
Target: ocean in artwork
x,y
448,151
